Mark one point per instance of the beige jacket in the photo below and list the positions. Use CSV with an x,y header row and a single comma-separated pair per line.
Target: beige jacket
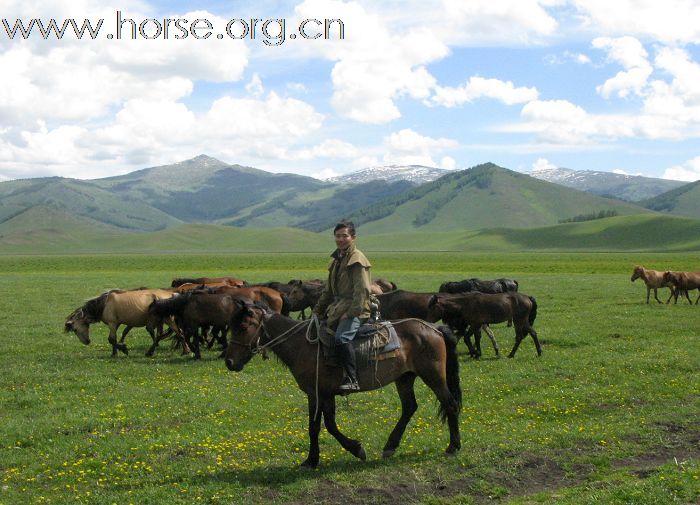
x,y
348,288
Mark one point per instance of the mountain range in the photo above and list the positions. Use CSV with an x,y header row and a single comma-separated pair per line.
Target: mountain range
x,y
631,188
206,190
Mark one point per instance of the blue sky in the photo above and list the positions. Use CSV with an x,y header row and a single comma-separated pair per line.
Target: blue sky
x,y
608,85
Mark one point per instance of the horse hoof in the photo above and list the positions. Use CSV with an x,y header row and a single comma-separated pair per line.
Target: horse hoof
x,y
309,464
451,451
388,453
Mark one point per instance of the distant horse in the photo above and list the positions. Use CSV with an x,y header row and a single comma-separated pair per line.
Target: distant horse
x,y
653,280
231,281
119,307
682,283
425,352
473,310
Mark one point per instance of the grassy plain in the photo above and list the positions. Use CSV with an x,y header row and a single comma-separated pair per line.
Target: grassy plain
x,y
608,415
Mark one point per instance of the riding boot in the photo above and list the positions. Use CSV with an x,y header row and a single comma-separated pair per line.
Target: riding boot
x,y
346,354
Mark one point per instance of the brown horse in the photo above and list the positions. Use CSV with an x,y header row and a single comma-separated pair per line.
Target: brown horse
x,y
653,280
305,294
682,283
119,307
474,310
425,352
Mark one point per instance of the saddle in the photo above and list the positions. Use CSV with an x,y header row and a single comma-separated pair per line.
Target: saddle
x,y
374,341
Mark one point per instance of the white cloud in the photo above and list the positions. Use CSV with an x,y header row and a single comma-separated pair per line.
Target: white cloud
x,y
448,163
670,21
255,86
688,171
374,66
542,164
407,147
329,148
630,53
479,87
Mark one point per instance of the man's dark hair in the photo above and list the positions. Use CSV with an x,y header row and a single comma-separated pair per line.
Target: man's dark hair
x,y
345,224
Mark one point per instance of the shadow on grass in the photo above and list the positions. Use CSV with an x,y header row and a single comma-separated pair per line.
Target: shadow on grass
x,y
278,475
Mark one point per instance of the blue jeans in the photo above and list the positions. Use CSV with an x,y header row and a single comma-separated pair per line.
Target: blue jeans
x,y
347,329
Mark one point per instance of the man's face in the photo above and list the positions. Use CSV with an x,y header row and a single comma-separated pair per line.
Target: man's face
x,y
343,239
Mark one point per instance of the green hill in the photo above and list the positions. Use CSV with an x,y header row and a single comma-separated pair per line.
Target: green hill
x,y
484,196
61,233
81,199
683,201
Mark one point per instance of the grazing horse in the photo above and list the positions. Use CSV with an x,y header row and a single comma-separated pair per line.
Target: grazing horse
x,y
117,307
683,282
425,352
653,280
473,310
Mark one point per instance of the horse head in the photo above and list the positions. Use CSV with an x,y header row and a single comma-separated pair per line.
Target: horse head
x,y
78,322
637,273
246,328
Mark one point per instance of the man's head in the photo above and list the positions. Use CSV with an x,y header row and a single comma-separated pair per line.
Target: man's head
x,y
344,233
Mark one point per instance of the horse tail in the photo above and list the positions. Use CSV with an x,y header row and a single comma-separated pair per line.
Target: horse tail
x,y
533,311
168,306
452,371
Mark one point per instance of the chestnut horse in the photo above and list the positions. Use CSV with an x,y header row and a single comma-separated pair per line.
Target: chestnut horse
x,y
682,283
425,352
653,280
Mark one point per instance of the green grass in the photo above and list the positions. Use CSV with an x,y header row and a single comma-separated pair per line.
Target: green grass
x,y
608,414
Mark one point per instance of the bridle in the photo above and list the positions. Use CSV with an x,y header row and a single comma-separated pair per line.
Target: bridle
x,y
256,347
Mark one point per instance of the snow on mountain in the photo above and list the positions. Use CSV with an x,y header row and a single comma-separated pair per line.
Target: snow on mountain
x,y
416,174
625,187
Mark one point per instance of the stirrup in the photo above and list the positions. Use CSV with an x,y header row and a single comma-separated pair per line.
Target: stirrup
x,y
349,385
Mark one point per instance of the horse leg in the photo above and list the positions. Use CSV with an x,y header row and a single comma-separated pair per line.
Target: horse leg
x,y
688,297
533,334
113,340
698,298
519,336
436,380
467,340
477,340
657,296
154,337
311,460
404,386
354,447
127,329
489,332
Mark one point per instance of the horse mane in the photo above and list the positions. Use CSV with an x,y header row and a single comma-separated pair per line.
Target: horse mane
x,y
93,308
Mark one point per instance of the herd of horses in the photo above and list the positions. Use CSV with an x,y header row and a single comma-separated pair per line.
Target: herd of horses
x,y
679,283
250,319
207,310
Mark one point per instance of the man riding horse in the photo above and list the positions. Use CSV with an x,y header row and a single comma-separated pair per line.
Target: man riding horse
x,y
344,302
